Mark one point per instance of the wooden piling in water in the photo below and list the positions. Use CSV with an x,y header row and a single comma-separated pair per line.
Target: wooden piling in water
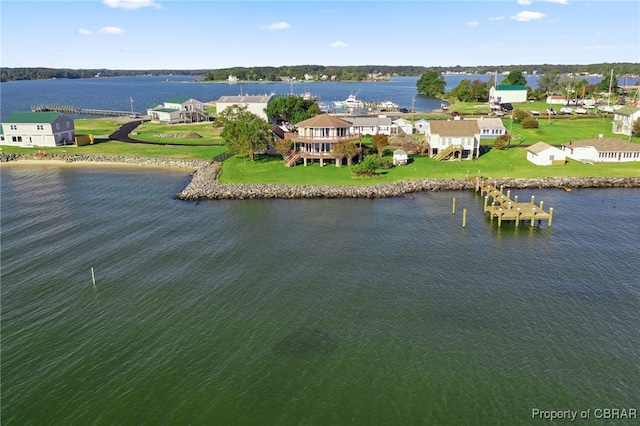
x,y
453,209
464,218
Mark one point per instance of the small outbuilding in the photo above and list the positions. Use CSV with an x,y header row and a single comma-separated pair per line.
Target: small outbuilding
x,y
400,157
543,154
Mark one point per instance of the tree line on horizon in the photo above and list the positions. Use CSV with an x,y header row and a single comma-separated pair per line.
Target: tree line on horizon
x,y
343,73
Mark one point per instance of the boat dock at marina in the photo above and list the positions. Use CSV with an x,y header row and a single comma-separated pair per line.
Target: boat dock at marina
x,y
69,109
501,206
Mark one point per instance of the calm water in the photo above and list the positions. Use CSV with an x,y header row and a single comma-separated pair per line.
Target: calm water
x,y
319,312
115,93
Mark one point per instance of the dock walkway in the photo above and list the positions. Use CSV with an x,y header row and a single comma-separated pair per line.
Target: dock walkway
x,y
501,207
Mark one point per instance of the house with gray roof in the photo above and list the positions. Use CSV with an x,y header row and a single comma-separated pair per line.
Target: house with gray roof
x,y
178,110
623,119
255,104
491,128
369,125
38,129
602,150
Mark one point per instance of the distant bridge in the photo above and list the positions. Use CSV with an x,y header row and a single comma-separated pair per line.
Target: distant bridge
x,y
69,109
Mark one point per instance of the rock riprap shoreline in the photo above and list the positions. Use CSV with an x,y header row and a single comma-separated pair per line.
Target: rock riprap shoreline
x,y
205,186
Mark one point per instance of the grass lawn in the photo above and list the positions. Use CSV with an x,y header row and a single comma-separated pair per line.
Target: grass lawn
x,y
164,133
511,163
558,131
96,126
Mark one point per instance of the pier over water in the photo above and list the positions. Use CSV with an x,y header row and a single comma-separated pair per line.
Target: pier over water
x,y
70,109
499,205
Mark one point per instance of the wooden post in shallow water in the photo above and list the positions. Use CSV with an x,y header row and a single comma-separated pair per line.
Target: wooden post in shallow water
x,y
550,216
486,202
533,216
93,277
518,217
453,210
541,206
464,218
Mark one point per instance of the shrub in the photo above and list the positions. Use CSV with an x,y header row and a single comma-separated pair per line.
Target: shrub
x,y
519,115
530,123
502,142
366,168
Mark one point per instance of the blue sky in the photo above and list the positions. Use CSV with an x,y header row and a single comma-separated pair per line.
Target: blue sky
x,y
159,34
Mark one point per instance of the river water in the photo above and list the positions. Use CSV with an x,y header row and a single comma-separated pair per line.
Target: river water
x,y
318,312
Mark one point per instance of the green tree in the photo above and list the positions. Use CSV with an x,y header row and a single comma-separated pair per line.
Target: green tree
x,y
530,123
283,147
515,78
605,83
549,81
520,114
380,142
366,168
502,142
292,109
344,150
636,128
431,83
244,132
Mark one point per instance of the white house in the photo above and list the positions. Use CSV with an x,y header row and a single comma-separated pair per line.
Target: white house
x,y
623,120
543,154
422,126
491,128
255,104
400,157
602,150
457,139
507,94
34,129
178,110
372,125
556,100
404,126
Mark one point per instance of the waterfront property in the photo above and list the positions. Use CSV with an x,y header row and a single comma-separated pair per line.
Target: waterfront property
x,y
602,150
507,94
38,129
372,125
316,138
421,126
400,157
453,139
543,154
404,126
623,120
254,104
178,110
491,128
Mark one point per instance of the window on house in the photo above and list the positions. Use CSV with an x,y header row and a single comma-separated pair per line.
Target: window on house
x,y
57,126
14,127
39,127
16,138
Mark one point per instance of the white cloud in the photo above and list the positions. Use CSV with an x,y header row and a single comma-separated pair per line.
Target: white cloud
x,y
131,4
496,18
557,1
338,44
278,26
473,24
524,2
111,30
528,16
84,32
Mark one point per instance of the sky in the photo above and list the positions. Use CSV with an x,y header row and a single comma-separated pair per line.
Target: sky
x,y
214,34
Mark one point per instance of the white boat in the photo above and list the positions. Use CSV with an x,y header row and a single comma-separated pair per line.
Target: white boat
x,y
388,106
308,96
351,103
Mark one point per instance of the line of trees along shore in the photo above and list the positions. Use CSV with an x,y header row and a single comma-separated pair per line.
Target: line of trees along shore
x,y
344,73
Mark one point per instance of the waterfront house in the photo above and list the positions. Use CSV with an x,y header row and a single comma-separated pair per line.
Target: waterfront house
x,y
38,129
623,119
255,104
491,128
421,126
316,137
453,139
507,94
368,125
543,154
602,150
178,110
404,126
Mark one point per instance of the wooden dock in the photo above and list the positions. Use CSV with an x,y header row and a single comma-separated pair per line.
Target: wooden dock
x,y
69,109
500,206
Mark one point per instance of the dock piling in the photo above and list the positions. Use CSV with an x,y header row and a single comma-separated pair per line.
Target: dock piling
x,y
464,218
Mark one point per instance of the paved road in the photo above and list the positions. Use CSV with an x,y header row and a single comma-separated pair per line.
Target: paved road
x,y
122,134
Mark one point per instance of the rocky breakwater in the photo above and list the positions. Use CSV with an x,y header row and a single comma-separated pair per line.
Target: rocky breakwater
x,y
114,159
204,186
568,182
